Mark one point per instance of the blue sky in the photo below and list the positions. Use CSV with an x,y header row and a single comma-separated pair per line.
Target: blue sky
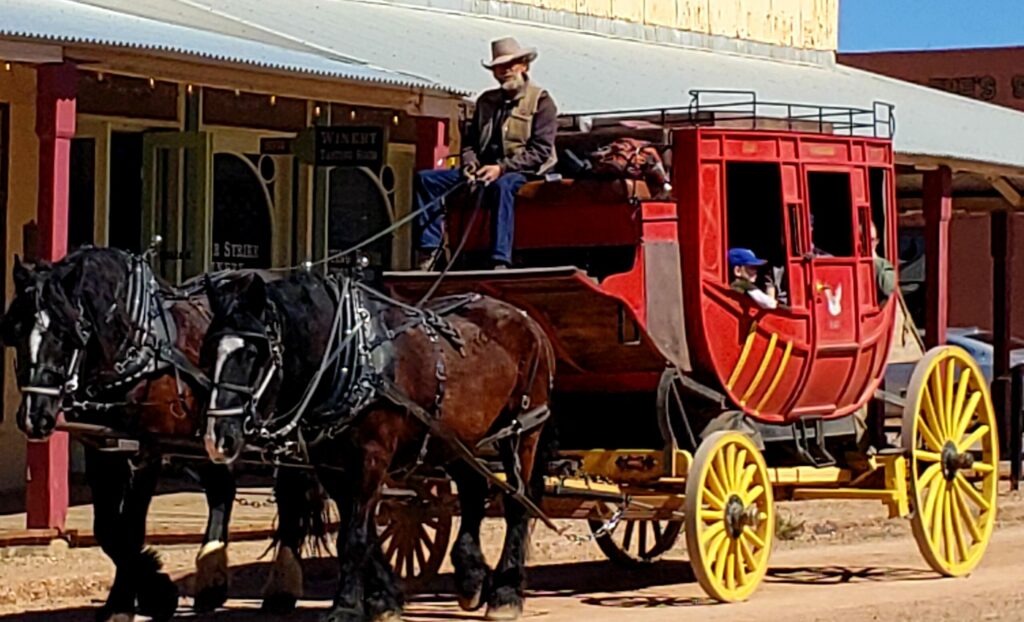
x,y
929,24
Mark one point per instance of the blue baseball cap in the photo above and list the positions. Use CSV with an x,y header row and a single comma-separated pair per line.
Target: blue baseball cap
x,y
744,257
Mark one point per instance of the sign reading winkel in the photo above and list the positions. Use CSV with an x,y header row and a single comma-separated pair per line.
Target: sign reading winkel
x,y
341,145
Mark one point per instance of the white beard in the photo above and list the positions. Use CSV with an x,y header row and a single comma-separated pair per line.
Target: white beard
x,y
514,83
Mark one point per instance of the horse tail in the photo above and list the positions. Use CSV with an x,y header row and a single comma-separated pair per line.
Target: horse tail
x,y
303,514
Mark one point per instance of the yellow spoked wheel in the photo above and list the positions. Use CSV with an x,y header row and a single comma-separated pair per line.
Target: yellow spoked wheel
x,y
949,433
730,521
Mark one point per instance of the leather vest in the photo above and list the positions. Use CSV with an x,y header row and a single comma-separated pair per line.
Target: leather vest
x,y
518,127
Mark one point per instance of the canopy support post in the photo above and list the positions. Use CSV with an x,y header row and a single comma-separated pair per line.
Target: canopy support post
x,y
938,209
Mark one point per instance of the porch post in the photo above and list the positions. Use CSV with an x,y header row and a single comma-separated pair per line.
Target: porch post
x,y
1002,321
56,91
938,209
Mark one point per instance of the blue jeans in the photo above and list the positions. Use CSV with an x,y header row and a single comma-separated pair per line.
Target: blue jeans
x,y
499,198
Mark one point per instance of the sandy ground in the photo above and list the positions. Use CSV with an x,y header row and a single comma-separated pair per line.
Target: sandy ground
x,y
845,561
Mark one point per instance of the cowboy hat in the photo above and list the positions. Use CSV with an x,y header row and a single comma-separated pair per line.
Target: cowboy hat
x,y
506,50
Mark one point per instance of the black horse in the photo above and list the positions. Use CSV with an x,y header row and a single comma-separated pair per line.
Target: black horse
x,y
100,339
328,369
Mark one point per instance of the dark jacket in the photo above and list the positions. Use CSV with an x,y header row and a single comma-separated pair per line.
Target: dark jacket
x,y
492,110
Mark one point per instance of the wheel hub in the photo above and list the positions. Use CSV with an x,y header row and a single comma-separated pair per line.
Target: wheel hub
x,y
738,516
953,461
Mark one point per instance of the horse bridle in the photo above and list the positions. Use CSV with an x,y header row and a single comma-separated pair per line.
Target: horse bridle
x,y
251,394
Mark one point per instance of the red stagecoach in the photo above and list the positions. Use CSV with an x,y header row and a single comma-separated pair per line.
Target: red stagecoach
x,y
696,404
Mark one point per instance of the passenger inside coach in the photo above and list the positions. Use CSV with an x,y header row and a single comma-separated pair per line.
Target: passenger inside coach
x,y
744,265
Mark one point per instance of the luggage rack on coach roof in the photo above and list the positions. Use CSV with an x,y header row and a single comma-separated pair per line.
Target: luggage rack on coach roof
x,y
743,110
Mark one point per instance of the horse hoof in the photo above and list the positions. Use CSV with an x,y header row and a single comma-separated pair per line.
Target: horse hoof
x,y
471,603
158,598
279,604
211,585
210,598
504,612
103,615
342,614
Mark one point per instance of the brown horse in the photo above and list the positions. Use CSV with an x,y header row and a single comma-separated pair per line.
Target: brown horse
x,y
327,368
99,339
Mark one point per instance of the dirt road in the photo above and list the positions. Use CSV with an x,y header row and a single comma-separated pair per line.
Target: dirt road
x,y
844,561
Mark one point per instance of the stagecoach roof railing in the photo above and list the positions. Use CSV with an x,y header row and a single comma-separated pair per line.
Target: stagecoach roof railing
x,y
710,106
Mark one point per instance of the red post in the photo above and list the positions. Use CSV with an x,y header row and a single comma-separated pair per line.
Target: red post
x,y
431,142
47,490
938,209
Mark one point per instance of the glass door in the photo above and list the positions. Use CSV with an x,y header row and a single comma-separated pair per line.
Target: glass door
x,y
176,197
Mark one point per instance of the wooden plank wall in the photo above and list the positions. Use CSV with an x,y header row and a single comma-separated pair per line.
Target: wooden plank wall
x,y
806,24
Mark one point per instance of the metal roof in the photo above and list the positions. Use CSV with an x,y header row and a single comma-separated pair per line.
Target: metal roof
x,y
587,71
70,22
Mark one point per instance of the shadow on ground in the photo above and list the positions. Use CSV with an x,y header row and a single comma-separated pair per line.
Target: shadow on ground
x,y
599,584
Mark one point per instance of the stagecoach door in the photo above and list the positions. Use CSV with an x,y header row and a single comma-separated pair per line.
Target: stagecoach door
x,y
176,196
835,206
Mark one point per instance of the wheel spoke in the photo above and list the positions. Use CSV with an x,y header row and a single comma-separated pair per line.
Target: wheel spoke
x,y
718,541
420,556
756,539
937,516
966,514
627,538
929,474
931,415
965,445
642,547
753,495
967,414
723,554
714,482
741,459
947,521
410,565
747,554
949,384
424,536
748,477
712,500
983,467
712,516
927,456
970,491
741,565
958,402
730,565
656,527
730,463
711,532
930,440
928,511
935,394
958,533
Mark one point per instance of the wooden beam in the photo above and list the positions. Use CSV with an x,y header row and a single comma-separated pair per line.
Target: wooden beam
x,y
413,101
1006,189
991,169
960,204
938,209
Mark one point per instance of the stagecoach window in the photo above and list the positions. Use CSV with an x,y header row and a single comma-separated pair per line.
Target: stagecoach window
x,y
879,204
831,207
755,213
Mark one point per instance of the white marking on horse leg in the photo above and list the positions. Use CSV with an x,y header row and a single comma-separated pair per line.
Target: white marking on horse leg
x,y
285,575
211,566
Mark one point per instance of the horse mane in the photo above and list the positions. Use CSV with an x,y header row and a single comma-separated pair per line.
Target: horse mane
x,y
81,285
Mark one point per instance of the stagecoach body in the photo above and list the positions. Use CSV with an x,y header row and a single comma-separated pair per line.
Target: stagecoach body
x,y
670,301
683,392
